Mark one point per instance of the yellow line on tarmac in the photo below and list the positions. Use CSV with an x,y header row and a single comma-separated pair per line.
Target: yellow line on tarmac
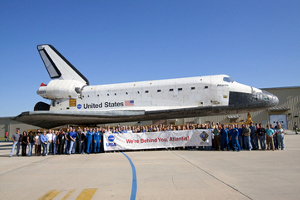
x,y
86,194
50,195
67,196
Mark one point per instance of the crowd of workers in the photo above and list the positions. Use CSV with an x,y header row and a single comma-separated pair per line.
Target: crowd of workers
x,y
90,140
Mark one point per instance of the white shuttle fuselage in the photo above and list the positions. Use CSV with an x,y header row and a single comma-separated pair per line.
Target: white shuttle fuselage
x,y
146,95
74,101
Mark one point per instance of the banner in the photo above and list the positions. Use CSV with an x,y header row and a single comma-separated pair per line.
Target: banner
x,y
153,140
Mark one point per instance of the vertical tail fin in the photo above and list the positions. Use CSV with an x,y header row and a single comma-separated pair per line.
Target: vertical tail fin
x,y
58,66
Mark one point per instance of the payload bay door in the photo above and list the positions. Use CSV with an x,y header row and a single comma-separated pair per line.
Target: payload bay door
x,y
278,118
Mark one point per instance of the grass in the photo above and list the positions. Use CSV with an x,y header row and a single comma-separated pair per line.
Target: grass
x,y
3,139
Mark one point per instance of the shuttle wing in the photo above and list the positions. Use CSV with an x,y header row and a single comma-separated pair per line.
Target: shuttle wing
x,y
50,119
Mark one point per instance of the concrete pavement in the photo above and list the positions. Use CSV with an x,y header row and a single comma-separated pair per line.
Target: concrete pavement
x,y
160,174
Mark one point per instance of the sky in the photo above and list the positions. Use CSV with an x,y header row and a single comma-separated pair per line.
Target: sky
x,y
255,42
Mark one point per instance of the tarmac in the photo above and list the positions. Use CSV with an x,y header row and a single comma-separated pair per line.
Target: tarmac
x,y
165,174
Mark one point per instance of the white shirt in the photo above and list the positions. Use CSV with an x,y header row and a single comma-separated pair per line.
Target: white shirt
x,y
54,138
49,135
38,141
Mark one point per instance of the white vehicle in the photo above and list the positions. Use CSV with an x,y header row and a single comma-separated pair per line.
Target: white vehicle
x,y
75,101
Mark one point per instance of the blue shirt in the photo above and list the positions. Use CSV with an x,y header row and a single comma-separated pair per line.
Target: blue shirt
x,y
234,133
89,135
73,135
240,131
253,129
43,138
97,136
274,132
224,133
269,132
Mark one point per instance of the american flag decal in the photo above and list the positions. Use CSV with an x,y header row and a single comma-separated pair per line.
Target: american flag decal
x,y
129,103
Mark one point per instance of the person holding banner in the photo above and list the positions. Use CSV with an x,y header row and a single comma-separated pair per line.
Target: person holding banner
x,y
143,129
123,130
129,130
211,130
116,131
108,129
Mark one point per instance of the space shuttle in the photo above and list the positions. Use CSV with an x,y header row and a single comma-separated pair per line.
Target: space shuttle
x,y
75,101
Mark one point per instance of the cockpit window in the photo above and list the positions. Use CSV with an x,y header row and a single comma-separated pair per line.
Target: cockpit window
x,y
228,79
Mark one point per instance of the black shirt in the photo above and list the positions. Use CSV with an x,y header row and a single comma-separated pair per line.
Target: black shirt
x,y
60,138
24,139
261,131
30,138
82,136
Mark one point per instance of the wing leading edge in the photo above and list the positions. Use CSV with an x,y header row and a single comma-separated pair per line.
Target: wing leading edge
x,y
50,119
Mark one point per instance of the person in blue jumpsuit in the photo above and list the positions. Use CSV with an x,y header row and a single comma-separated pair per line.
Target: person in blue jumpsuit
x,y
234,132
89,141
224,137
97,141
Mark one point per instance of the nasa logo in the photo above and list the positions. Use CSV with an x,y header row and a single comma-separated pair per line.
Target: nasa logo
x,y
204,136
79,106
111,144
111,138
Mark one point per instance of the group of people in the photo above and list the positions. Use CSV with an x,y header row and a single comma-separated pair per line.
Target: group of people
x,y
90,140
248,137
59,142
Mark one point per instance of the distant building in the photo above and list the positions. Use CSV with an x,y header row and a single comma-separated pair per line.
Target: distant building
x,y
8,125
